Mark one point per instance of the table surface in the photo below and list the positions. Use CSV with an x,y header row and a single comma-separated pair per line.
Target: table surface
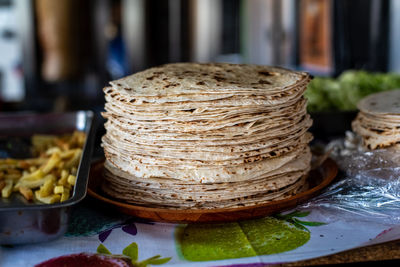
x,y
389,251
81,238
381,252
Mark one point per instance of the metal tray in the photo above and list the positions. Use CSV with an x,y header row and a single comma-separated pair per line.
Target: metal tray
x,y
24,222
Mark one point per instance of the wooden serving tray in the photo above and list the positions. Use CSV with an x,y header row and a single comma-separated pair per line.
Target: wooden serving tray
x,y
317,180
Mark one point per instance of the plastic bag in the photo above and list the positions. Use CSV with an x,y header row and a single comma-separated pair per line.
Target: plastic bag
x,y
369,188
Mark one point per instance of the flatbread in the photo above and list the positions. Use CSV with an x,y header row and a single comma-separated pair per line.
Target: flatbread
x,y
383,103
378,122
198,135
206,174
374,137
196,78
223,197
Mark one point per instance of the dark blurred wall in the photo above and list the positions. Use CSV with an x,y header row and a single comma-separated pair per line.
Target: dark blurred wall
x,y
361,35
72,47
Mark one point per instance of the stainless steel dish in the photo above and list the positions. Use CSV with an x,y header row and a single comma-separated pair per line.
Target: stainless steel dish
x,y
24,222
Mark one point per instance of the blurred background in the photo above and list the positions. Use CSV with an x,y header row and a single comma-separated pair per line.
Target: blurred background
x,y
58,55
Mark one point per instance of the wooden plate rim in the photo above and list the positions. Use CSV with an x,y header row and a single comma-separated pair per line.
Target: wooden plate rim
x,y
329,167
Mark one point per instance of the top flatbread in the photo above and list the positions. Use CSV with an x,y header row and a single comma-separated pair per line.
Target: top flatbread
x,y
195,78
381,103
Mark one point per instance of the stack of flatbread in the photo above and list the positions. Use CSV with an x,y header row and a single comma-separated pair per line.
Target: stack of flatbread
x,y
206,136
378,122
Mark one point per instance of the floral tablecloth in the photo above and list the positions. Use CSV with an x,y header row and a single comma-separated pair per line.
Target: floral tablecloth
x,y
296,235
362,208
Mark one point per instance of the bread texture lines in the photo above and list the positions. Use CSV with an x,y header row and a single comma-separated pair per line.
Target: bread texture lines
x,y
191,135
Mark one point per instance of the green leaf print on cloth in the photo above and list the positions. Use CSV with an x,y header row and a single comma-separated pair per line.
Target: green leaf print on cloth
x,y
270,235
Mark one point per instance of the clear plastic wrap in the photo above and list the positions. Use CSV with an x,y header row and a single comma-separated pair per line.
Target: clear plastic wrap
x,y
368,187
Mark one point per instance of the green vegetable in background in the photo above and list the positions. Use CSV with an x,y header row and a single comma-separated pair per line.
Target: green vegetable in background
x,y
344,92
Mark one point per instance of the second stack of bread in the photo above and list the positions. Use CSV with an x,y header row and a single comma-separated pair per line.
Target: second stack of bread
x,y
378,121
